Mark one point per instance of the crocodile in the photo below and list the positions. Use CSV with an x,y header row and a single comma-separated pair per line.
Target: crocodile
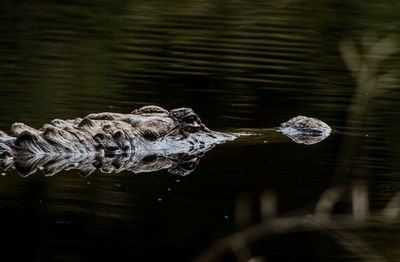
x,y
147,139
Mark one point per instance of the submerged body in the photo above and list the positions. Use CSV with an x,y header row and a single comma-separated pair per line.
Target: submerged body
x,y
129,140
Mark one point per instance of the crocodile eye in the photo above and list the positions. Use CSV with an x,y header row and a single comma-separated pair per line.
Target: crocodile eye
x,y
190,119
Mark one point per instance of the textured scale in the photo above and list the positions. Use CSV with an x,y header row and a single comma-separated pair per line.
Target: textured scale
x,y
148,139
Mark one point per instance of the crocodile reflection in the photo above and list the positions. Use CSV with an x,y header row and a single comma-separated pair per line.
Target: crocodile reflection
x,y
179,164
146,140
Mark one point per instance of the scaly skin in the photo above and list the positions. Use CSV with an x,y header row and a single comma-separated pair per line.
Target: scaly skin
x,y
148,139
148,128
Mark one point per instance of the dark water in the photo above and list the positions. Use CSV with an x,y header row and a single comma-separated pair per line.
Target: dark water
x,y
238,64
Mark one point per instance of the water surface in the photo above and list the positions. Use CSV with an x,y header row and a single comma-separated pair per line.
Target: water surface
x,y
238,64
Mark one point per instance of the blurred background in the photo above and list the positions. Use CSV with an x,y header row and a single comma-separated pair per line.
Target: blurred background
x,y
238,64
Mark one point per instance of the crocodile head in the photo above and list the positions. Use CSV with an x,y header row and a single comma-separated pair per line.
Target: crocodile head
x,y
154,122
175,131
